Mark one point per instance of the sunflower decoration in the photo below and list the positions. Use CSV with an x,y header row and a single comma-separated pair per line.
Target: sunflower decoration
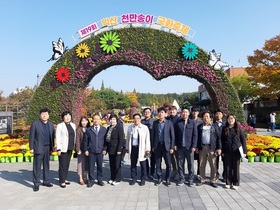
x,y
189,50
82,50
110,42
62,74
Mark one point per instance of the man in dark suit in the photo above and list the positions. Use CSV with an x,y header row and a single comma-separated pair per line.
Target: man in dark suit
x,y
95,148
41,143
149,121
174,118
220,124
163,140
185,144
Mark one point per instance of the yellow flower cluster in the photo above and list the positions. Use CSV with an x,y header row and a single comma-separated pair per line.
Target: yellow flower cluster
x,y
251,154
263,142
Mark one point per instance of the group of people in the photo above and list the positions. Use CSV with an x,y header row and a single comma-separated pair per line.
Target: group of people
x,y
170,137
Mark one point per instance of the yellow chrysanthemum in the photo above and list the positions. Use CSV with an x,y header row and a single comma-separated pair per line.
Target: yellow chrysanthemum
x,y
82,50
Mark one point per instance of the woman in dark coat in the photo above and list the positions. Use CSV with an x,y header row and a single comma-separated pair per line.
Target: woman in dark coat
x,y
114,140
233,144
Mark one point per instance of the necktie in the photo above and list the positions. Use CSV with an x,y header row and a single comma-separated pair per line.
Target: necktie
x,y
96,130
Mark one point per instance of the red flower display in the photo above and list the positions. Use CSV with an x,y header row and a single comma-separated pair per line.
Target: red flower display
x,y
62,74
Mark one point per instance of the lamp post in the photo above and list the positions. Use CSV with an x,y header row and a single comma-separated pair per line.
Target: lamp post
x,y
38,77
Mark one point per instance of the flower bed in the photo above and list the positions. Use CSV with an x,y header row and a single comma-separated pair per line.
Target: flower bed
x,y
266,147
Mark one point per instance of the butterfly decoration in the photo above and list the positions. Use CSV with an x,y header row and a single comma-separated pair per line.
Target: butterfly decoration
x,y
58,49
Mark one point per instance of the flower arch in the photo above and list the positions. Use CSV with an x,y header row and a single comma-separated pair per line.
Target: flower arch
x,y
159,53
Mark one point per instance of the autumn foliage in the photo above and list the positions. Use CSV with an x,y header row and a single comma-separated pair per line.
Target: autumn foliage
x,y
264,68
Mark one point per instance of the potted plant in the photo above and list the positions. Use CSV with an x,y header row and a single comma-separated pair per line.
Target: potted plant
x,y
54,156
271,155
251,156
2,158
13,158
257,157
19,157
264,154
277,156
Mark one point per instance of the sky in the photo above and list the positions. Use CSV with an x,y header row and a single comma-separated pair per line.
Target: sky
x,y
233,28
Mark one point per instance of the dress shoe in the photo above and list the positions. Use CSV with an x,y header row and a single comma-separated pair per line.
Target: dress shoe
x,y
190,184
67,182
62,185
167,183
180,182
159,182
100,183
132,182
199,183
90,184
36,188
47,184
142,183
214,185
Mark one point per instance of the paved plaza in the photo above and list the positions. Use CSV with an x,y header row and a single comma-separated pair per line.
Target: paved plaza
x,y
260,189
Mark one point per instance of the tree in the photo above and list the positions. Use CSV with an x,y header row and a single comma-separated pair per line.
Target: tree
x,y
20,100
245,88
1,93
91,103
102,85
264,68
132,96
112,98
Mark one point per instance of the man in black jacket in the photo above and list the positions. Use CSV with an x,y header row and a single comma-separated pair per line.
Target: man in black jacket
x,y
208,146
149,121
185,144
41,142
163,139
174,118
220,124
95,148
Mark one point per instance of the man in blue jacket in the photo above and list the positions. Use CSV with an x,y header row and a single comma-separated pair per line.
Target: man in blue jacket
x,y
185,144
95,148
163,139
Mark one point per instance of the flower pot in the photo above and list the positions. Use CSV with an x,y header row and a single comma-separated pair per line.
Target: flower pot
x,y
55,157
251,159
7,160
26,158
277,159
20,159
263,159
31,159
3,159
270,159
13,159
257,159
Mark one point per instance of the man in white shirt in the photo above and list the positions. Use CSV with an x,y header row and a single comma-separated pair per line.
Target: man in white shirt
x,y
272,121
138,146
